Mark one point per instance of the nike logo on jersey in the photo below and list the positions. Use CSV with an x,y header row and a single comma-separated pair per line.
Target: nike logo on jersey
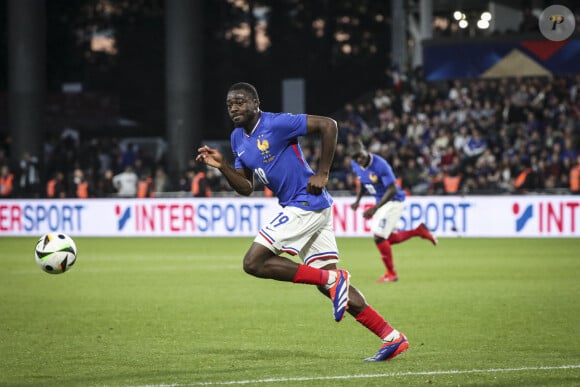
x,y
241,153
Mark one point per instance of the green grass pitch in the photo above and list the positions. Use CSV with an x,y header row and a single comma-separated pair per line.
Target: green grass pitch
x,y
181,312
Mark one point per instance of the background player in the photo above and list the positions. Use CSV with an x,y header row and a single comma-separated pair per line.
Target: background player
x,y
265,145
377,178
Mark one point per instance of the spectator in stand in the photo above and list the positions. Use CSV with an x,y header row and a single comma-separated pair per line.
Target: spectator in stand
x,y
451,181
79,186
184,182
161,180
126,182
567,165
474,147
139,168
29,177
56,187
448,158
105,186
381,100
145,187
569,151
6,182
505,182
415,178
468,179
575,177
461,138
200,187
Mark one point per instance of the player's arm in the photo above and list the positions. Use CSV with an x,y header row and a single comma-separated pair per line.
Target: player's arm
x,y
361,191
328,134
389,193
241,180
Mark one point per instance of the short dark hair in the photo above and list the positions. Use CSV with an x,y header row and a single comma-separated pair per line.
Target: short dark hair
x,y
248,88
356,147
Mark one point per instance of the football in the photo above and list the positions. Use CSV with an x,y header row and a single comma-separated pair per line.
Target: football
x,y
55,253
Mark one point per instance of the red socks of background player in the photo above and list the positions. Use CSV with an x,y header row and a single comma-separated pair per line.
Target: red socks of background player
x,y
401,236
387,255
310,275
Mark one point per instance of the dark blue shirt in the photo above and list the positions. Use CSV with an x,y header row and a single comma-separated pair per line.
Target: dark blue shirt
x,y
271,151
377,177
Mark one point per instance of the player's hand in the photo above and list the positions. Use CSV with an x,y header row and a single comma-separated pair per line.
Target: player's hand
x,y
354,206
370,212
316,183
209,156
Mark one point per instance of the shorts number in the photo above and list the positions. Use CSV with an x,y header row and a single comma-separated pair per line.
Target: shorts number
x,y
382,224
279,219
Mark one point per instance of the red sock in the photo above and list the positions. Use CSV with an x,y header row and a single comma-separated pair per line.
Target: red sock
x,y
387,255
371,319
401,236
310,275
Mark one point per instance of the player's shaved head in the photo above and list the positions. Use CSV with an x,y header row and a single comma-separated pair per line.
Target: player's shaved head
x,y
245,87
356,147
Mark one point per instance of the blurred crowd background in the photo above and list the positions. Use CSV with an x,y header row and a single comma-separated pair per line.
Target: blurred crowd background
x,y
488,137
104,117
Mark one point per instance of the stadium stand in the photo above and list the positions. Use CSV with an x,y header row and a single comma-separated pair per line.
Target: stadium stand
x,y
485,136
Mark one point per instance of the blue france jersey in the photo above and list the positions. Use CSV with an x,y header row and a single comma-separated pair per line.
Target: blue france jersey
x,y
377,177
273,154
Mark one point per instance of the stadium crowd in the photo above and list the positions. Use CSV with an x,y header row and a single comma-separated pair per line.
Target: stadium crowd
x,y
472,137
484,136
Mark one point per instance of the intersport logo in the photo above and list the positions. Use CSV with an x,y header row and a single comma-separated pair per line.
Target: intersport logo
x,y
547,217
123,215
523,215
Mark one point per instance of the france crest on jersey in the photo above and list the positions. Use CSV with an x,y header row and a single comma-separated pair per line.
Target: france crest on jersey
x,y
273,154
377,177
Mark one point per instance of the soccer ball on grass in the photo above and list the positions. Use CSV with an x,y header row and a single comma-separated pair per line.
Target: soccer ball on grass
x,y
55,253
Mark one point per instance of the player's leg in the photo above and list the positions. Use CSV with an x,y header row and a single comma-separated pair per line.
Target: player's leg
x,y
393,342
420,231
425,233
314,253
288,232
261,262
392,212
321,252
386,252
384,222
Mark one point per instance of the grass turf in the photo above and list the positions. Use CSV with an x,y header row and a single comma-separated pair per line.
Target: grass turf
x,y
161,311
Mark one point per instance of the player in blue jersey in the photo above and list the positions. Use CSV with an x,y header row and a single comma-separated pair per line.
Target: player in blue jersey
x,y
265,146
376,177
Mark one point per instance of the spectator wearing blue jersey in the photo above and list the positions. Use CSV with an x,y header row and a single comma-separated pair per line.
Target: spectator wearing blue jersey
x,y
376,178
265,146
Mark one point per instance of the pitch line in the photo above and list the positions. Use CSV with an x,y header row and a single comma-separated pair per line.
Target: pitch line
x,y
367,376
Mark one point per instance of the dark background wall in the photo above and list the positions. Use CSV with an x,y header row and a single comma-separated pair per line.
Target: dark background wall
x,y
129,80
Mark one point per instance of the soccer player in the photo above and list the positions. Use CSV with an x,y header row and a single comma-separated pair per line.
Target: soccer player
x,y
265,145
377,178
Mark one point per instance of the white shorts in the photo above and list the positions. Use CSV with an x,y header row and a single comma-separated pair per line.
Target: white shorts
x,y
308,234
386,218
